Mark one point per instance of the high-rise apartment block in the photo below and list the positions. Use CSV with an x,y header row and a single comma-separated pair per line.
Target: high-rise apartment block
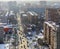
x,y
52,14
52,34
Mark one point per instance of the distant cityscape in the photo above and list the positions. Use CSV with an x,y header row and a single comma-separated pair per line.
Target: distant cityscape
x,y
30,25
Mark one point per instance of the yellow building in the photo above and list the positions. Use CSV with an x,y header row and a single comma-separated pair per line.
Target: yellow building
x,y
22,39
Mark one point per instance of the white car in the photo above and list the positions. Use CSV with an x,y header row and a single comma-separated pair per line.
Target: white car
x,y
12,40
29,38
40,36
34,43
34,38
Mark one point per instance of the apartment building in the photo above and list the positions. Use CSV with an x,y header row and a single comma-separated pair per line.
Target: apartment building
x,y
52,34
24,18
52,14
12,18
22,40
32,17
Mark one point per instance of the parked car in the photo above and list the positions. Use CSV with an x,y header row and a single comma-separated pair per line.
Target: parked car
x,y
29,34
40,35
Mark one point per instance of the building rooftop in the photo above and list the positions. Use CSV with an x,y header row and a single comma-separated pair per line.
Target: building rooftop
x,y
24,15
52,24
4,46
7,14
22,12
32,13
2,24
11,13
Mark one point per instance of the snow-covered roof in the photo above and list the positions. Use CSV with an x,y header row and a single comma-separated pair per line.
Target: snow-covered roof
x,y
4,46
32,13
50,25
22,12
2,24
24,15
11,13
8,26
7,14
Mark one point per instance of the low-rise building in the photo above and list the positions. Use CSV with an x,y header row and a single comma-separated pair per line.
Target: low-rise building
x,y
4,46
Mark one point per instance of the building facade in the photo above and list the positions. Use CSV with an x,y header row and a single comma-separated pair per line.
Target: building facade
x,y
52,35
52,14
22,40
32,17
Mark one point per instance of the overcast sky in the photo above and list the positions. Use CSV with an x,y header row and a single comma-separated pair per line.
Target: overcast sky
x,y
29,0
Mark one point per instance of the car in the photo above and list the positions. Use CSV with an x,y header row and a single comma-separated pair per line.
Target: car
x,y
33,27
34,43
29,34
29,38
29,29
40,35
41,30
34,38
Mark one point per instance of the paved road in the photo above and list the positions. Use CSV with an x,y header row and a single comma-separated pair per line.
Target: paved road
x,y
21,34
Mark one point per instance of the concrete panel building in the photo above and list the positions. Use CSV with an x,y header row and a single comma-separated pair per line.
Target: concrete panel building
x,y
52,35
24,18
52,14
22,40
32,17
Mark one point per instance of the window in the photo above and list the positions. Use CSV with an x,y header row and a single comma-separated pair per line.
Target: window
x,y
23,41
19,32
49,35
45,31
27,46
20,38
24,46
21,46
